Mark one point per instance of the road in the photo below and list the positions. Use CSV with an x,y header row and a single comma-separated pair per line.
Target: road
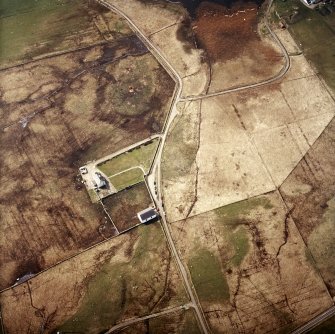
x,y
154,178
315,321
151,179
154,315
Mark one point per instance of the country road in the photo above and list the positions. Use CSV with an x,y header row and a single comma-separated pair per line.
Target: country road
x,y
154,178
153,315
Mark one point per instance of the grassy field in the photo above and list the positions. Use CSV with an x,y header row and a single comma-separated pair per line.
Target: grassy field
x,y
35,28
127,178
139,156
123,206
207,276
315,34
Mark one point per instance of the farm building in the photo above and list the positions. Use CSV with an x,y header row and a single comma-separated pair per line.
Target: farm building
x,y
99,180
148,215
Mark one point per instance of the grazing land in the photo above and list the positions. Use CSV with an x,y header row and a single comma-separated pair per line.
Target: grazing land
x,y
139,156
56,114
181,322
124,206
130,167
127,178
129,276
241,258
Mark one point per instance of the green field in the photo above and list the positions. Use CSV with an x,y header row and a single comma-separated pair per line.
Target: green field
x,y
141,156
33,28
207,276
315,33
127,178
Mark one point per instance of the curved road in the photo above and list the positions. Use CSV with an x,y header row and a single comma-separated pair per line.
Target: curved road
x,y
155,176
153,315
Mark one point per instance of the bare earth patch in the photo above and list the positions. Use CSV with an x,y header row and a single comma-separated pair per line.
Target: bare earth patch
x,y
124,206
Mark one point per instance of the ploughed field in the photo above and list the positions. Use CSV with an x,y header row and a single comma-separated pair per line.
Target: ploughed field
x,y
59,112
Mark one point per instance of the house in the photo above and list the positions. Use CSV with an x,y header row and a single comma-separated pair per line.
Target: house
x,y
148,215
99,180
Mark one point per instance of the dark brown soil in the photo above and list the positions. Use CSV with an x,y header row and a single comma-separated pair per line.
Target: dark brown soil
x,y
226,33
124,206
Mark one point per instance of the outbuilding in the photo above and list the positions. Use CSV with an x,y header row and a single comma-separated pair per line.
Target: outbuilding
x,y
148,215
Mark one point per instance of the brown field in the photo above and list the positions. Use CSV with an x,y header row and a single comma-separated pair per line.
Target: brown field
x,y
250,267
309,193
179,322
56,114
124,205
129,276
230,37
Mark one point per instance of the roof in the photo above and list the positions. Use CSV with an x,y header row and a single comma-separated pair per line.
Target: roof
x,y
147,214
99,180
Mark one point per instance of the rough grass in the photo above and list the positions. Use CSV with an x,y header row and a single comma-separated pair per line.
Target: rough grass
x,y
102,304
127,179
321,243
186,323
315,33
140,156
230,213
240,242
190,325
181,146
207,276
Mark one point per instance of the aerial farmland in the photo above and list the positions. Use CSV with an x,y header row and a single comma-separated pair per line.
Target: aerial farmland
x,y
167,167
